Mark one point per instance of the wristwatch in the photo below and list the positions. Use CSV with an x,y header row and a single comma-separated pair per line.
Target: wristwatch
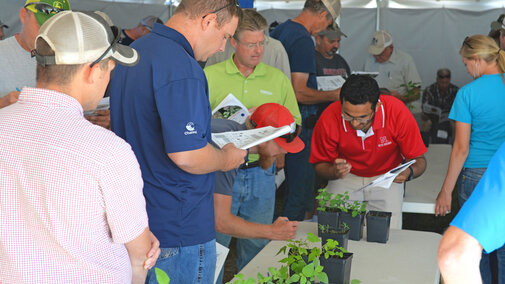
x,y
411,176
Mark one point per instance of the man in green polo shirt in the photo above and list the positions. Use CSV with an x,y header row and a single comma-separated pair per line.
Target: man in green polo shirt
x,y
253,83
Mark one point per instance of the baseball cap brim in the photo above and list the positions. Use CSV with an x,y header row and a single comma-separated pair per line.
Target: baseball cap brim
x,y
294,146
375,50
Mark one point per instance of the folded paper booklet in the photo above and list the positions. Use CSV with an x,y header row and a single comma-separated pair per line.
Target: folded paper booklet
x,y
386,179
329,83
246,139
231,108
371,74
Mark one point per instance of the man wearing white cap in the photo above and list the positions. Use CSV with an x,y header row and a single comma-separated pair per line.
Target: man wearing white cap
x,y
2,26
395,67
144,27
66,182
295,35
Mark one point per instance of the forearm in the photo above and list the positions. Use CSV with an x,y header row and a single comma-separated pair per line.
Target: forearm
x,y
456,162
240,228
202,161
419,166
306,95
416,95
137,251
325,170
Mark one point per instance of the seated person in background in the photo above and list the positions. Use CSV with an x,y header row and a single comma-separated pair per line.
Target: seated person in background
x,y
228,220
65,183
365,135
497,31
144,27
396,68
436,104
479,224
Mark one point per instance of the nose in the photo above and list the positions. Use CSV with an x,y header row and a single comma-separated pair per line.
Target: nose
x,y
354,123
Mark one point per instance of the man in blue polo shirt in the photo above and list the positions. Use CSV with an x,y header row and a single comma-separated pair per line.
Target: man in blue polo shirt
x,y
479,224
161,107
295,35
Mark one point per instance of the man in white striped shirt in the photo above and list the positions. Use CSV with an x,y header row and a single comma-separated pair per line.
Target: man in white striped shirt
x,y
71,202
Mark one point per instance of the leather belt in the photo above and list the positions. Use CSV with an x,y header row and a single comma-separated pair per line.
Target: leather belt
x,y
248,165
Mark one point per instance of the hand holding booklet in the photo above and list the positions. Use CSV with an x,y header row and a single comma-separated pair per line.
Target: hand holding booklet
x,y
386,179
246,139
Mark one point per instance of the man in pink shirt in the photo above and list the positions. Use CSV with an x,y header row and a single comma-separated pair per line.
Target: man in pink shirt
x,y
71,202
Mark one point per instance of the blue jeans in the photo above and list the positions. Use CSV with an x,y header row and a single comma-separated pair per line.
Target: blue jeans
x,y
467,181
300,178
253,200
191,264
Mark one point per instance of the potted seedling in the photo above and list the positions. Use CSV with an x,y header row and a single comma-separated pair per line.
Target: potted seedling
x,y
340,234
328,210
353,213
377,226
302,260
337,262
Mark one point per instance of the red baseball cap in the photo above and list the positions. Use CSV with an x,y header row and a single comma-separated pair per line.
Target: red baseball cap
x,y
276,115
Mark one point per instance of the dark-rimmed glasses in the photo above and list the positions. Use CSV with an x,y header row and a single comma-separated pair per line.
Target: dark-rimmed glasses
x,y
44,8
466,42
235,2
291,136
360,120
444,76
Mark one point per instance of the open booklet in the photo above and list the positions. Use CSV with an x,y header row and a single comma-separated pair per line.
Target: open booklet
x,y
371,74
434,110
329,83
386,179
246,139
103,104
231,108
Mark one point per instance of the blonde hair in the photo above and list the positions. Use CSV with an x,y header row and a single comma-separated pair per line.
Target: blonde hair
x,y
484,48
251,21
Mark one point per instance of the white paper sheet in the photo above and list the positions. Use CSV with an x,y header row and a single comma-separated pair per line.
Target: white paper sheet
x,y
231,108
386,179
246,139
329,83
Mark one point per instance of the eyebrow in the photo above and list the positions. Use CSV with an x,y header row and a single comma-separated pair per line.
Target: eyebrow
x,y
361,116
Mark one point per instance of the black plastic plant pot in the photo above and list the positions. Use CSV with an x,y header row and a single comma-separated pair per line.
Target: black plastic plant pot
x,y
340,235
355,225
377,226
327,218
337,269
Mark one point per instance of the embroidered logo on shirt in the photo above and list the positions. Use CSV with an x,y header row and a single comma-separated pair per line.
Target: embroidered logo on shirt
x,y
191,129
266,92
384,141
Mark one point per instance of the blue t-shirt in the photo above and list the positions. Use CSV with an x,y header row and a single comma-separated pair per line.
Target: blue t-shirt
x,y
161,106
480,103
301,53
482,216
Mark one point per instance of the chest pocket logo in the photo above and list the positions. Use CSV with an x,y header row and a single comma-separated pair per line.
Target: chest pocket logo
x,y
383,141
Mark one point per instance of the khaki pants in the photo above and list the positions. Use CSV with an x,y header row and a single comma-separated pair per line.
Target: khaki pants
x,y
380,199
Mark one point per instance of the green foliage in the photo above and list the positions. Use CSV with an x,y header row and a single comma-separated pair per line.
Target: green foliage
x,y
161,276
332,249
411,91
328,201
356,208
355,281
329,229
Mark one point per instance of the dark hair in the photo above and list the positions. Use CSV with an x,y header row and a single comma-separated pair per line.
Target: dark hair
x,y
199,8
317,6
360,89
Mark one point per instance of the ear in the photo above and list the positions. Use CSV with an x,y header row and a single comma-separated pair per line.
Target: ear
x,y
91,74
208,20
22,15
377,106
233,42
323,14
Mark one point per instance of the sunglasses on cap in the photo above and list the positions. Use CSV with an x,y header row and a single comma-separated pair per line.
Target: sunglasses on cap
x,y
467,43
233,3
44,8
291,136
117,36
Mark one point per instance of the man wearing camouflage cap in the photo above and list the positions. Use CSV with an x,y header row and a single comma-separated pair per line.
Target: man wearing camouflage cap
x,y
16,64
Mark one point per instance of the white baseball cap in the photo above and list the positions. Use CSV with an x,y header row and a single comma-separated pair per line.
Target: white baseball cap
x,y
381,40
83,37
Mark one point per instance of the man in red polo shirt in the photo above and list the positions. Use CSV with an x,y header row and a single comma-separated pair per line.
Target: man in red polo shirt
x,y
363,136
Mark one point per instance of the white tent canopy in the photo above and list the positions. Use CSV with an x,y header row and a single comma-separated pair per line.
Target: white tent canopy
x,y
431,31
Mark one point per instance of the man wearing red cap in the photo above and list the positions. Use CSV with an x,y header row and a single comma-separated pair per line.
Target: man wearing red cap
x,y
229,220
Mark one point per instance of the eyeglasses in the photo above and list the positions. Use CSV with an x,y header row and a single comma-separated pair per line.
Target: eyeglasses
x,y
117,36
44,8
444,76
291,136
360,120
235,2
253,45
466,42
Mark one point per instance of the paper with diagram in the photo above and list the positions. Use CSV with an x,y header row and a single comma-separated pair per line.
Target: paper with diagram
x,y
329,83
231,108
386,179
246,139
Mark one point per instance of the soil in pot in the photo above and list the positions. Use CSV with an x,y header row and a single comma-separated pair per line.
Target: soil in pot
x,y
377,226
337,269
341,235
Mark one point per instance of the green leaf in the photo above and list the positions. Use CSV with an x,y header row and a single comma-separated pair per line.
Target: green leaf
x,y
161,276
323,277
308,270
313,238
355,281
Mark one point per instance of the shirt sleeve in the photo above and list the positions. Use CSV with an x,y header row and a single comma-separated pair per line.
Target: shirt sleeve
x,y
184,111
460,110
482,216
124,202
302,56
324,144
